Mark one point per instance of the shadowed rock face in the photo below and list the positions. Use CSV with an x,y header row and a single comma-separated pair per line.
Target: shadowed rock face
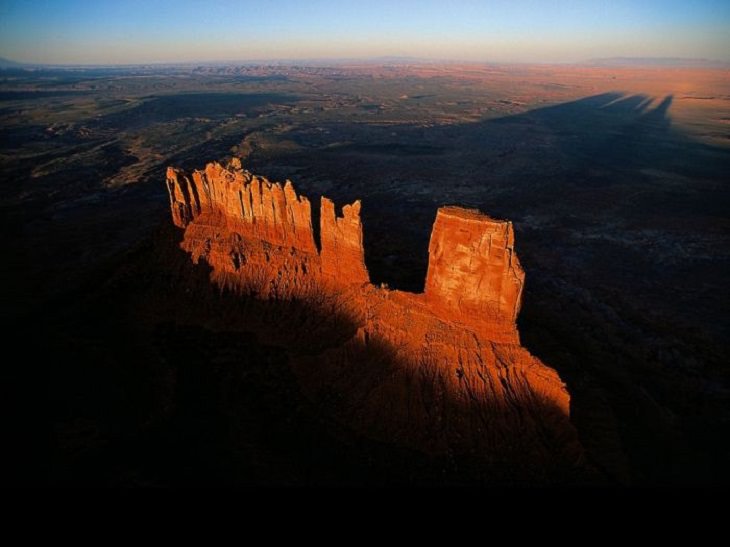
x,y
441,372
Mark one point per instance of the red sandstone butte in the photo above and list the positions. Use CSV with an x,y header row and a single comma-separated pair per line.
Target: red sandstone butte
x,y
474,277
441,371
258,215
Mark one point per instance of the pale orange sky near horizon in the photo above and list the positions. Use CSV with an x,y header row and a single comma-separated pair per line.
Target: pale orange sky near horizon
x,y
135,31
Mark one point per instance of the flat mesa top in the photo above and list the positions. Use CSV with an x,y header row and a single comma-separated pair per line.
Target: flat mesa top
x,y
468,214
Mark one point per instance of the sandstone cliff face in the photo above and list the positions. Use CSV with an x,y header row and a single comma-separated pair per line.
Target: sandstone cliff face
x,y
441,372
265,211
267,227
343,256
474,277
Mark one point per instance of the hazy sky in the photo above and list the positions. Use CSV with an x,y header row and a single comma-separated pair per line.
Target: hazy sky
x,y
134,31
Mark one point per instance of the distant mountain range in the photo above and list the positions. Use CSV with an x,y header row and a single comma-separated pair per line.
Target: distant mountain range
x,y
7,63
658,62
388,60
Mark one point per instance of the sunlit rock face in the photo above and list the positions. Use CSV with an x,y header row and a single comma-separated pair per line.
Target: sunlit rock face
x,y
474,277
254,230
441,372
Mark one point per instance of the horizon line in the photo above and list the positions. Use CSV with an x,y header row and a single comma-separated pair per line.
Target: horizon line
x,y
701,62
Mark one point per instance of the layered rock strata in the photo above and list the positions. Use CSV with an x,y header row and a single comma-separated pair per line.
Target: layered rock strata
x,y
441,371
474,277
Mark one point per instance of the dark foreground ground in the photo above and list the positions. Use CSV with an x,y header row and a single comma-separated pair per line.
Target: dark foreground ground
x,y
615,180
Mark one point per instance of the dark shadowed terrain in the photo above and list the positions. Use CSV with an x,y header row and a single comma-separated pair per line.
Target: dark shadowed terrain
x,y
615,179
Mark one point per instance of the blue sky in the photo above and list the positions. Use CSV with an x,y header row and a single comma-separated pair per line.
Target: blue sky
x,y
109,31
